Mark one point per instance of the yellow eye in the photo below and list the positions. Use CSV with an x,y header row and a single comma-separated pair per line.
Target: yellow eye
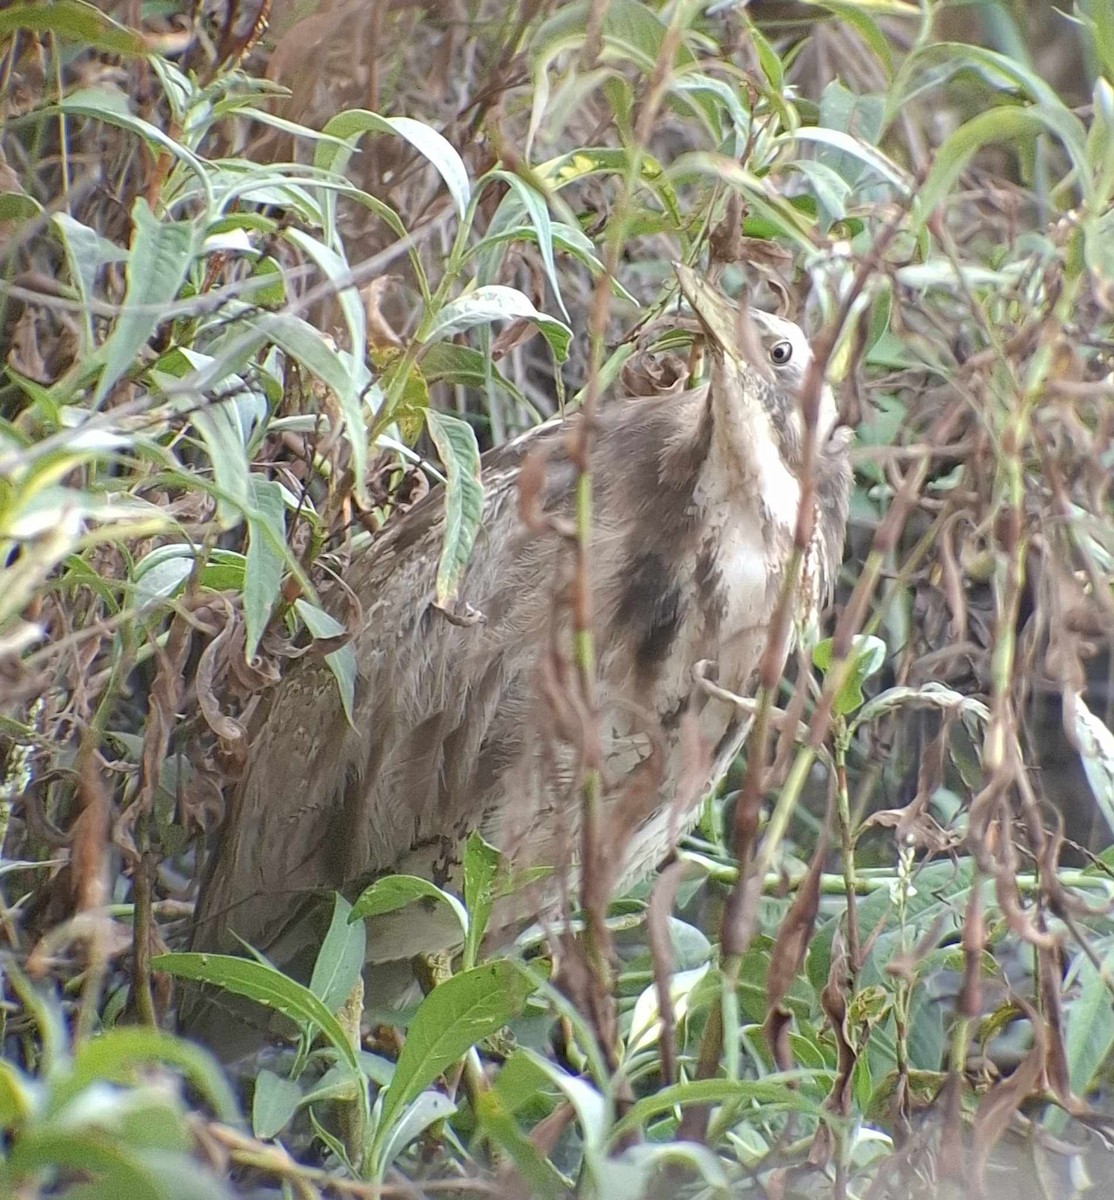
x,y
781,353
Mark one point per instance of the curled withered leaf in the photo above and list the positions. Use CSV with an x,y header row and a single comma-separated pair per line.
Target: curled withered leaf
x,y
200,800
952,578
379,331
914,828
531,488
654,373
111,937
833,1000
89,837
1003,1100
248,677
793,936
460,612
515,334
661,955
25,355
231,733
1057,1073
162,714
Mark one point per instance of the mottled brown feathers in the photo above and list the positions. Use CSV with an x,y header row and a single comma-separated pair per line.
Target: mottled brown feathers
x,y
456,727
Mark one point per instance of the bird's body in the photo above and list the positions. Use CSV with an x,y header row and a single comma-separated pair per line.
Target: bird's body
x,y
461,726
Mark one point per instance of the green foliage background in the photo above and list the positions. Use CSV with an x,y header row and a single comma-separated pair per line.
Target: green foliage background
x,y
262,285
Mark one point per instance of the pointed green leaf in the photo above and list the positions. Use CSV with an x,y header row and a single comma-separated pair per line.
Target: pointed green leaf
x,y
481,867
265,559
420,1114
273,1103
158,259
341,957
262,983
495,302
348,379
464,499
426,140
1096,749
523,196
116,1054
341,662
456,1015
76,21
868,653
393,892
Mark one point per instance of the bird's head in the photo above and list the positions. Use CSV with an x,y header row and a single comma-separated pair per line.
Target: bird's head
x,y
773,352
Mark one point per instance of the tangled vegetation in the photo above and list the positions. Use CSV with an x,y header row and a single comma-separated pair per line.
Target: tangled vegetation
x,y
269,270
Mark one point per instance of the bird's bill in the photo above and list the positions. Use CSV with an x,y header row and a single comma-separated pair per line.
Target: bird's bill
x,y
713,310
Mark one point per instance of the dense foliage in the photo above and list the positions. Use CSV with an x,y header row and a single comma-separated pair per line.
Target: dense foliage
x,y
261,284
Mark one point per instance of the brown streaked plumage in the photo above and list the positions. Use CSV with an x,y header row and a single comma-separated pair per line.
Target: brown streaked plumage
x,y
696,495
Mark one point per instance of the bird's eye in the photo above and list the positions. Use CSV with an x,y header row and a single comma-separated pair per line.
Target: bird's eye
x,y
781,352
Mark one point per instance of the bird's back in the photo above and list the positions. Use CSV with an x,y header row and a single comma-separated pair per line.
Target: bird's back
x,y
465,725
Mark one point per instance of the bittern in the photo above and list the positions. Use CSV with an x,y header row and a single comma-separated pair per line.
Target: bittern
x,y
454,727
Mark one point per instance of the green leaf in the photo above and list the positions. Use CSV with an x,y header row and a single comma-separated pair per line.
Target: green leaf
x,y
428,142
262,983
997,125
846,144
629,30
634,1171
522,1084
340,1082
265,559
1100,159
161,574
454,1016
608,160
497,1121
762,197
393,892
420,1114
111,106
568,238
466,366
82,23
593,1109
494,302
1047,113
116,1054
1098,17
273,1103
464,499
158,259
336,269
1096,750
341,957
86,253
17,1097
18,207
536,207
936,898
338,371
219,428
767,1092
481,867
645,1022
113,1169
341,662
868,654
1089,1039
